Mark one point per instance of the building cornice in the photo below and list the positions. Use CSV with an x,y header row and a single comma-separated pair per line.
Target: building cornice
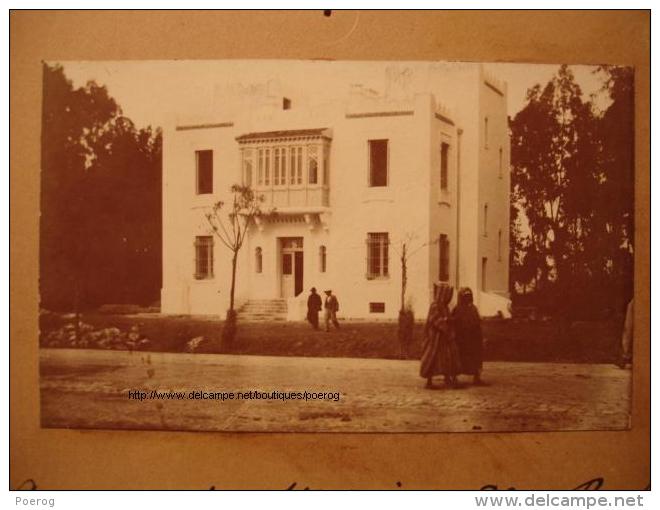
x,y
204,126
365,115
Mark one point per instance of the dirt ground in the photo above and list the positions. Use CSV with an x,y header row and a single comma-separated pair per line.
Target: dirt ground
x,y
90,389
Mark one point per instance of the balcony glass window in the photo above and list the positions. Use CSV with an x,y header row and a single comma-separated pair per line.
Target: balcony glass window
x,y
248,164
312,165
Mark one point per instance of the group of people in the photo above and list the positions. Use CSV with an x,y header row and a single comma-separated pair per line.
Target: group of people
x,y
331,307
453,341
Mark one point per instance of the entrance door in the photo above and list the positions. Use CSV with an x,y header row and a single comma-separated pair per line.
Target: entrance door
x,y
292,266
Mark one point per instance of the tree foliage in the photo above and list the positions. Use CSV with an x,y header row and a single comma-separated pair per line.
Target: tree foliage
x,y
231,226
100,200
572,185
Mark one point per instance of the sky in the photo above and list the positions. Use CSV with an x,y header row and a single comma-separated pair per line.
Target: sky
x,y
149,91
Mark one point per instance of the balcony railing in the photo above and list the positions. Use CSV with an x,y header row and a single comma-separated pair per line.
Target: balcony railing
x,y
295,197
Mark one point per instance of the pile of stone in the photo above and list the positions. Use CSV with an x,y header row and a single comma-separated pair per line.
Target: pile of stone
x,y
197,344
90,338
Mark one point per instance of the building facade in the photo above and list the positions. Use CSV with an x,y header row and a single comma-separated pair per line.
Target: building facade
x,y
350,180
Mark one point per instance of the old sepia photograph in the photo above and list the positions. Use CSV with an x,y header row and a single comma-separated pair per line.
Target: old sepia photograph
x,y
336,246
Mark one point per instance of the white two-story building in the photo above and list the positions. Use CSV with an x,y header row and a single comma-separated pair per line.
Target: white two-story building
x,y
351,177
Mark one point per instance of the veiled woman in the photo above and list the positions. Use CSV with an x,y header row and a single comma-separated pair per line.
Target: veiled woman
x,y
440,354
469,338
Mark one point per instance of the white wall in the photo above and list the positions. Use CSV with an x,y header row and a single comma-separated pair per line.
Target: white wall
x,y
494,189
412,203
183,219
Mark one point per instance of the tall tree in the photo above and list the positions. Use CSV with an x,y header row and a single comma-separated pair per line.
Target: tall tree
x,y
616,221
230,225
68,117
100,200
564,185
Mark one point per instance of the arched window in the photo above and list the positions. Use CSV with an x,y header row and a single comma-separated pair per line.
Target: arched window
x,y
322,259
258,259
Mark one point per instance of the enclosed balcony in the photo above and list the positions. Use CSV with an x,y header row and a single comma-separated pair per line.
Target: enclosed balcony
x,y
291,169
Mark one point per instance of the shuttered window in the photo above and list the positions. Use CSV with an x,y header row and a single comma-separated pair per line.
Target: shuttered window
x,y
377,255
203,257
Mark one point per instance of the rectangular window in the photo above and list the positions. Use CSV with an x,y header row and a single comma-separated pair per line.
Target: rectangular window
x,y
322,259
499,245
501,168
203,257
376,307
486,132
377,255
444,165
484,268
204,163
485,220
378,162
443,248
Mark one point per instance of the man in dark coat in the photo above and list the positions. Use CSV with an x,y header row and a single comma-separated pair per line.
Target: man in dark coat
x,y
313,308
469,338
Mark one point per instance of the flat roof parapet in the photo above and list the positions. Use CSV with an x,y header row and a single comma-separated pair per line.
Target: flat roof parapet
x,y
288,135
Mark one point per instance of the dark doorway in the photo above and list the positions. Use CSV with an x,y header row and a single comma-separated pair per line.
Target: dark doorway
x,y
299,272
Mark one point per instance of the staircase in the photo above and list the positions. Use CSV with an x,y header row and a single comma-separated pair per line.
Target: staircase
x,y
263,310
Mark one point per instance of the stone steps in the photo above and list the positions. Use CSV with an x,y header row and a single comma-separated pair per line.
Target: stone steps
x,y
263,310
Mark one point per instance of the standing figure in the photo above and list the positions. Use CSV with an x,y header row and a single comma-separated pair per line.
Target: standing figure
x,y
313,308
440,354
627,336
469,338
331,308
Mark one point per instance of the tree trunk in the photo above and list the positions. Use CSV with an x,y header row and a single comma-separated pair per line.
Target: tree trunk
x,y
404,278
233,280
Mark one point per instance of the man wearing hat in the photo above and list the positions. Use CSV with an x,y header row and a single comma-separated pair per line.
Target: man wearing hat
x,y
313,308
331,308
